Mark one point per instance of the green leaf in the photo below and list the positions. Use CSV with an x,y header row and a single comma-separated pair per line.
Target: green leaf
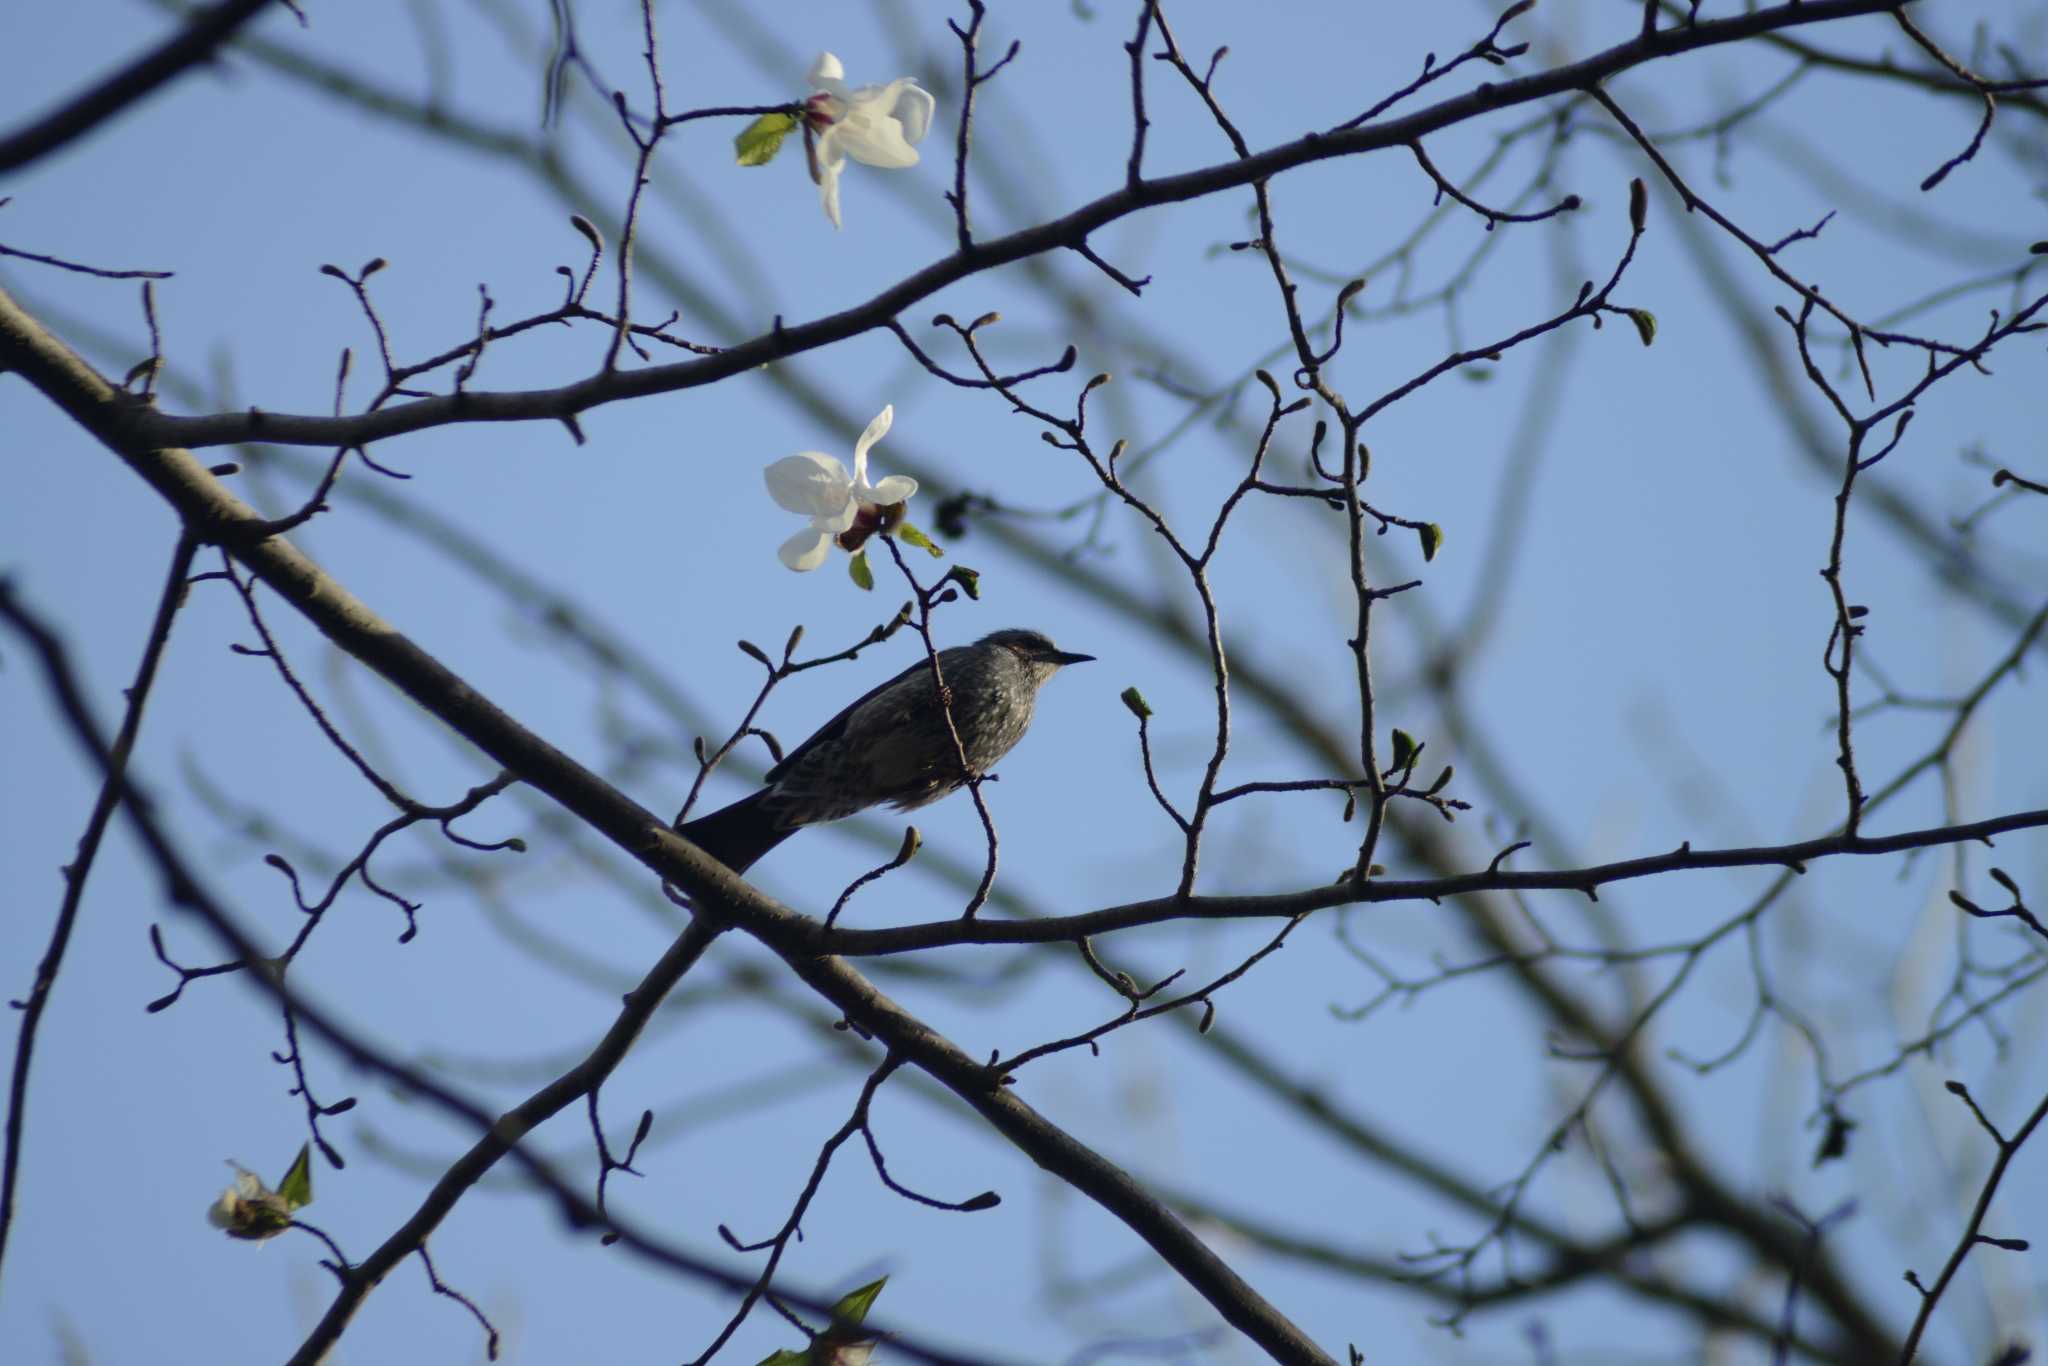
x,y
1432,537
1645,321
760,140
1477,374
1135,700
1404,750
862,575
910,535
968,579
297,1187
854,1307
785,1357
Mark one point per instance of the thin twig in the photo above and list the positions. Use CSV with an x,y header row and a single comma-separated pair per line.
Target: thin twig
x,y
80,868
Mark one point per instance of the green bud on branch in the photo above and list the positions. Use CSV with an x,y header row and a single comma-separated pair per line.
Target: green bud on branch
x,y
910,535
1405,750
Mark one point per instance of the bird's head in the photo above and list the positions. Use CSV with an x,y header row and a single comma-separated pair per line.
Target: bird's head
x,y
1035,648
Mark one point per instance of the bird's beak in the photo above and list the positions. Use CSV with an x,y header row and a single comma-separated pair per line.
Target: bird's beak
x,y
1063,658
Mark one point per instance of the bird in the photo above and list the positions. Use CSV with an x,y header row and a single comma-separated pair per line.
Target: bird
x,y
892,745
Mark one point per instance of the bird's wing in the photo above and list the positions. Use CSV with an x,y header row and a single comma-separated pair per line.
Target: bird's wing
x,y
836,727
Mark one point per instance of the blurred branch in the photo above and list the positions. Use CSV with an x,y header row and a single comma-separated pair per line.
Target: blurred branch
x,y
2017,93
85,111
1570,1262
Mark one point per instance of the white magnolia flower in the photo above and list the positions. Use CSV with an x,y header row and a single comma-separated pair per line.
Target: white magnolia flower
x,y
875,125
249,1209
841,507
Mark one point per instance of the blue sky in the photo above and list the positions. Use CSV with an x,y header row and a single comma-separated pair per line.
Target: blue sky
x,y
1649,671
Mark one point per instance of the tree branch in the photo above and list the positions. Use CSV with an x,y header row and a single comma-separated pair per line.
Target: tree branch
x,y
212,511
80,867
151,429
1588,880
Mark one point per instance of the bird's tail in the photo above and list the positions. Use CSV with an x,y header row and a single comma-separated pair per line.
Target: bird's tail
x,y
737,835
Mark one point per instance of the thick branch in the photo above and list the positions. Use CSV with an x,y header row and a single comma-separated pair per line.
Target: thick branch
x,y
209,509
501,1137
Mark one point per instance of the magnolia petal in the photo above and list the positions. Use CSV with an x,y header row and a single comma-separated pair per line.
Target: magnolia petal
x,y
806,550
876,142
826,157
914,107
897,488
826,68
810,483
825,170
870,134
877,429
